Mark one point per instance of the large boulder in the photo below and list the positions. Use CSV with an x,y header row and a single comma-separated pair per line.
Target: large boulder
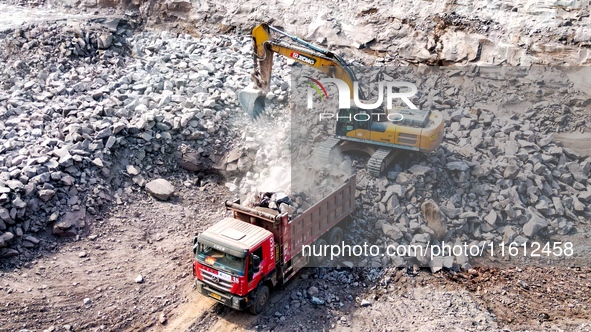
x,y
392,231
191,159
160,188
535,223
434,219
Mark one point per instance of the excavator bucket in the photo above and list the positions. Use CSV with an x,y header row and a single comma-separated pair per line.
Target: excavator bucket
x,y
252,100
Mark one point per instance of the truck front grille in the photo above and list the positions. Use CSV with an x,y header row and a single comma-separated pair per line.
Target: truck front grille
x,y
211,278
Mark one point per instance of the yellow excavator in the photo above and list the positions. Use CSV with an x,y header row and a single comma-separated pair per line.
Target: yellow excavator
x,y
374,133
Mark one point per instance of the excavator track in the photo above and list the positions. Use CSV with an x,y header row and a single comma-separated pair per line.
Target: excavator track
x,y
376,165
322,154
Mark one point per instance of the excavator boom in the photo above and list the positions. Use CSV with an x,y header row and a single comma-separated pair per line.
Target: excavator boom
x,y
252,99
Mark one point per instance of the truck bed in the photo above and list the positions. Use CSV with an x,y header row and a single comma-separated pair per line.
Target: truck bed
x,y
291,234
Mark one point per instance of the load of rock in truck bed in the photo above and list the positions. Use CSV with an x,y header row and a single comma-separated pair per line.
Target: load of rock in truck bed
x,y
294,203
270,202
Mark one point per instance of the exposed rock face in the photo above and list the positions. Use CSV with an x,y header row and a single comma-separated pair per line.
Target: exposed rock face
x,y
488,32
475,31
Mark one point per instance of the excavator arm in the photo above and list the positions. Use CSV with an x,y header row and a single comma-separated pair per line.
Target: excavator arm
x,y
252,98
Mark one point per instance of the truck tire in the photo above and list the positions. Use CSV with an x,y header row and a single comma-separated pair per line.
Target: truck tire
x,y
260,300
335,236
319,260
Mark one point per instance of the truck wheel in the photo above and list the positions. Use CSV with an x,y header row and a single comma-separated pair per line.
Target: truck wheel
x,y
335,237
319,260
260,301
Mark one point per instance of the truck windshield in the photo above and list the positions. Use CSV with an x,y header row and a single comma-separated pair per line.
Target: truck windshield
x,y
222,260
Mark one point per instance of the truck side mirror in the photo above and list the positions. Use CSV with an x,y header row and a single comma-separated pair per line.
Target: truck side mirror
x,y
195,244
256,261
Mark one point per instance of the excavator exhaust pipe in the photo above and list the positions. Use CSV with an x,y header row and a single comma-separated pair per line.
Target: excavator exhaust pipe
x,y
252,101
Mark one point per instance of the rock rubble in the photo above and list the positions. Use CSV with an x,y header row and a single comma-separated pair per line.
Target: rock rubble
x,y
93,110
496,178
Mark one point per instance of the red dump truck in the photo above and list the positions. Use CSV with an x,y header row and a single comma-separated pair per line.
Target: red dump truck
x,y
241,258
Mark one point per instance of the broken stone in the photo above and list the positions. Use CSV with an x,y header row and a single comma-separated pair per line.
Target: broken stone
x,y
70,222
435,221
105,41
191,160
419,169
317,301
577,205
535,223
19,204
585,196
162,319
46,194
491,217
365,303
312,291
8,252
107,132
160,188
457,166
132,170
511,172
436,264
98,162
392,231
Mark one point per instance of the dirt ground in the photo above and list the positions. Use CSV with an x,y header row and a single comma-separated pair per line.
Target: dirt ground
x,y
145,237
538,299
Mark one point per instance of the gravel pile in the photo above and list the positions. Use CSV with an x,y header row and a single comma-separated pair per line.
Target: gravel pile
x,y
90,112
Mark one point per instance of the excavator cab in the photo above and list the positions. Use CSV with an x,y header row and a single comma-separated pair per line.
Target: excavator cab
x,y
355,122
345,122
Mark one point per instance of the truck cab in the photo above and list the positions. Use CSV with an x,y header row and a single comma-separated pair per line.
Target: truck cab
x,y
235,264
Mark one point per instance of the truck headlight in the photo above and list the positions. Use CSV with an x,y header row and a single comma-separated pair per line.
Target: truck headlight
x,y
235,302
